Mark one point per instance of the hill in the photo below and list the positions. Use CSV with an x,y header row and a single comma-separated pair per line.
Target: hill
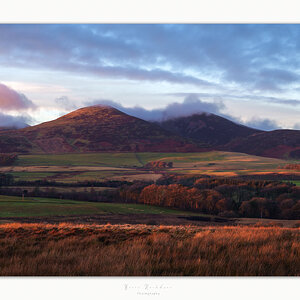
x,y
207,128
106,129
277,143
225,135
8,128
92,129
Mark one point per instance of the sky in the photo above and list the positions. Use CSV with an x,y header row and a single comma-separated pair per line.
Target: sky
x,y
247,73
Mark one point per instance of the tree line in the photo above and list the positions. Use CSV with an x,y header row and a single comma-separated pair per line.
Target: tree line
x,y
292,167
225,197
91,195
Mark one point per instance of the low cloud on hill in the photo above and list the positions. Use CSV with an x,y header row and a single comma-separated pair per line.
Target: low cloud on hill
x,y
191,105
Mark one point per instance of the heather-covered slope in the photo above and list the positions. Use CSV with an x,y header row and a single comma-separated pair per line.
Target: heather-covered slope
x,y
207,128
103,128
277,143
95,128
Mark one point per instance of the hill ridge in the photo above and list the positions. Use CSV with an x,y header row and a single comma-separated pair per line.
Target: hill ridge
x,y
92,129
208,128
102,128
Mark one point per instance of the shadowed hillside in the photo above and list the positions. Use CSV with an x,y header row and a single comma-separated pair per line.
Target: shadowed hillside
x,y
277,143
207,128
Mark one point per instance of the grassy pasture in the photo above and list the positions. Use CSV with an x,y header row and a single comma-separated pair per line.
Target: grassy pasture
x,y
183,157
79,159
61,189
124,159
30,176
11,206
297,182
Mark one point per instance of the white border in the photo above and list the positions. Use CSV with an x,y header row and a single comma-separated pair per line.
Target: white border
x,y
149,11
105,288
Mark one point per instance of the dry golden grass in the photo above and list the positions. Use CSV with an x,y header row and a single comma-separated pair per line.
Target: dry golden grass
x,y
143,250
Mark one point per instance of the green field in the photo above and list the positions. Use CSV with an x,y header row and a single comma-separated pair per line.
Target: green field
x,y
60,189
11,206
79,159
297,182
118,159
31,176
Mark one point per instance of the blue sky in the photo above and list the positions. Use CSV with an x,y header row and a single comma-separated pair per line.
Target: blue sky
x,y
248,73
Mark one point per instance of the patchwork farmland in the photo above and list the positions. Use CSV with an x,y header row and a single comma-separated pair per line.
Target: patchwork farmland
x,y
129,166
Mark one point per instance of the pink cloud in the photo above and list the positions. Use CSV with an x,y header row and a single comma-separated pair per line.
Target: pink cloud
x,y
12,100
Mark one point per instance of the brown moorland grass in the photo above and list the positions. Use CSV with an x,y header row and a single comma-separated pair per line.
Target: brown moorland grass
x,y
144,250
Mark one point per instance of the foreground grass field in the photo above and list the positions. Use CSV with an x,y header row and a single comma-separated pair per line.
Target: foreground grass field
x,y
140,250
29,207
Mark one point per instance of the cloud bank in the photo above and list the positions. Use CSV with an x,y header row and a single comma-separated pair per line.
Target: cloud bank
x,y
191,105
250,57
65,103
263,124
12,100
13,121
